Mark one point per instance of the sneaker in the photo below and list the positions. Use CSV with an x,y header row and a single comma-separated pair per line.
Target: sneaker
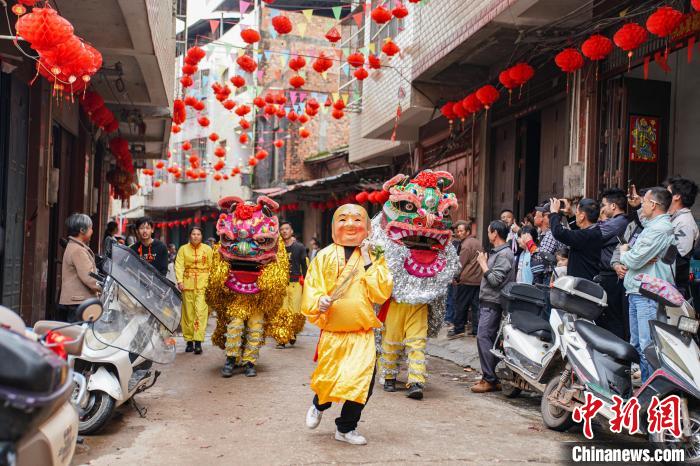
x,y
249,370
190,347
352,437
390,385
197,347
229,366
313,417
452,334
415,391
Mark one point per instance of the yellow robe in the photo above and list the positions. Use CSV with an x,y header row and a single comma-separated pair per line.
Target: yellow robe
x,y
346,349
192,270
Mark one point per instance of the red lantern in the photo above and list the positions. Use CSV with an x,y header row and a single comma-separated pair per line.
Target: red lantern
x,y
189,69
219,165
297,63
246,63
238,81
44,28
338,114
381,15
186,81
330,204
217,177
361,197
390,48
196,53
303,119
460,111
296,81
261,154
186,146
313,103
487,95
596,47
203,121
280,99
243,139
322,63
304,133
695,4
374,62
259,102
282,24
199,106
447,111
220,151
569,60
194,160
278,143
361,74
292,116
235,171
242,110
630,36
505,79
252,161
356,59
664,21
190,101
399,11
471,103
243,123
339,104
250,36
175,129
213,137
156,184
160,164
521,73
91,101
333,35
202,174
228,104
280,112
384,196
270,109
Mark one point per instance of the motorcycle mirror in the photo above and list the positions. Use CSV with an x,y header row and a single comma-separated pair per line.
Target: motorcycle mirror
x,y
90,310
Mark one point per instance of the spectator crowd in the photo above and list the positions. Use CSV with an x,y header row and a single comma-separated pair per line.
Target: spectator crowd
x,y
610,240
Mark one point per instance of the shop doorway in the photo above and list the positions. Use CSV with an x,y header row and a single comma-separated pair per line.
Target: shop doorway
x,y
527,167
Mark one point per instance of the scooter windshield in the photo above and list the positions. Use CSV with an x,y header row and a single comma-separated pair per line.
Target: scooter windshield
x,y
156,293
127,325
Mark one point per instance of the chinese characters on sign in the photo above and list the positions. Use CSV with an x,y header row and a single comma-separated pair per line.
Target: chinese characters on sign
x,y
644,138
662,415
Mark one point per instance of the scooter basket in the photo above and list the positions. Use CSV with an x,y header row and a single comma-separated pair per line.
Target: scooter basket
x,y
34,382
523,297
578,296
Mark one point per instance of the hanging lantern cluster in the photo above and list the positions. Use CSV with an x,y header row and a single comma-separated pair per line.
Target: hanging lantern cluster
x,y
373,197
94,105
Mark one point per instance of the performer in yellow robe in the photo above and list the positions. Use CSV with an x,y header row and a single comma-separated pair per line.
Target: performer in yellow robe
x,y
192,271
341,288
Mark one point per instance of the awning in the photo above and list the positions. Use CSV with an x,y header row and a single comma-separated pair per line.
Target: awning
x,y
370,178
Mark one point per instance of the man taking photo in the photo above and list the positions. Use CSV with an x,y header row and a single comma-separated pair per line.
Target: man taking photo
x,y
585,242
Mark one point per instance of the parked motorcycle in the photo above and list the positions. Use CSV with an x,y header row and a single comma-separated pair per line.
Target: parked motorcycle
x,y
39,392
141,313
599,363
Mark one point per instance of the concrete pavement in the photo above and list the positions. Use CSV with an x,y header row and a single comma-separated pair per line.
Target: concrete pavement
x,y
197,417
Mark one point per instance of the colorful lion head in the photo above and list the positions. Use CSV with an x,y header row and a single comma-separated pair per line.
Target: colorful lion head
x,y
417,216
249,235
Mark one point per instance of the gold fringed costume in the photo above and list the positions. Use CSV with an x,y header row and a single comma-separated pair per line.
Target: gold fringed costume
x,y
243,315
288,321
346,348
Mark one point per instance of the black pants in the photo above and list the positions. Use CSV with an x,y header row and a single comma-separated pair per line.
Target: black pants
x,y
466,296
351,411
615,317
490,323
67,313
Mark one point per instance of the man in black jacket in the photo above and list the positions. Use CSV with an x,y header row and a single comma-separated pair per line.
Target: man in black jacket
x,y
615,317
585,242
151,250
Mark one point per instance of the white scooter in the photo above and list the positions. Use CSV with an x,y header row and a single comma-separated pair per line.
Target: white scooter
x,y
141,313
39,394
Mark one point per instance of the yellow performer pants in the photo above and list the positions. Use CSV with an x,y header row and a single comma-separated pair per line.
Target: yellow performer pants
x,y
194,315
406,327
245,337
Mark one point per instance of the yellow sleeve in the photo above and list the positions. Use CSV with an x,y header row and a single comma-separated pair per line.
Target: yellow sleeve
x,y
314,289
210,257
378,281
180,265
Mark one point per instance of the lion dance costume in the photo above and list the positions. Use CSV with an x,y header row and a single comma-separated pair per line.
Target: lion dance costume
x,y
353,282
414,231
247,280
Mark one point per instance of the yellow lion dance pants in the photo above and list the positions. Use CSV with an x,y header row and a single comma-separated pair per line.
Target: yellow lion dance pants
x,y
405,328
194,315
245,337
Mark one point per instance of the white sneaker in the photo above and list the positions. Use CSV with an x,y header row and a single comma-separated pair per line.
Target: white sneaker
x,y
352,437
313,417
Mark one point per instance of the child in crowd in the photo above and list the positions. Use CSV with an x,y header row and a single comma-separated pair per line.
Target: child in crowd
x,y
562,264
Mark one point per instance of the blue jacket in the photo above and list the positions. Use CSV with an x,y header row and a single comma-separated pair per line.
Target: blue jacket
x,y
652,243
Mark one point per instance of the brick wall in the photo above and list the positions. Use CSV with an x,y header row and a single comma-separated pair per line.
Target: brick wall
x,y
327,133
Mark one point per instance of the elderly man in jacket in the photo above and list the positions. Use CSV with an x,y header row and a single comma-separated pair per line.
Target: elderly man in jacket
x,y
467,288
644,257
498,271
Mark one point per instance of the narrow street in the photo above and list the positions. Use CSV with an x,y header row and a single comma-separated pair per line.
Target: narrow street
x,y
197,417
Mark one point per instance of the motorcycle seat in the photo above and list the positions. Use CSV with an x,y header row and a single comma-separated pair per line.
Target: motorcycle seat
x,y
532,325
606,342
